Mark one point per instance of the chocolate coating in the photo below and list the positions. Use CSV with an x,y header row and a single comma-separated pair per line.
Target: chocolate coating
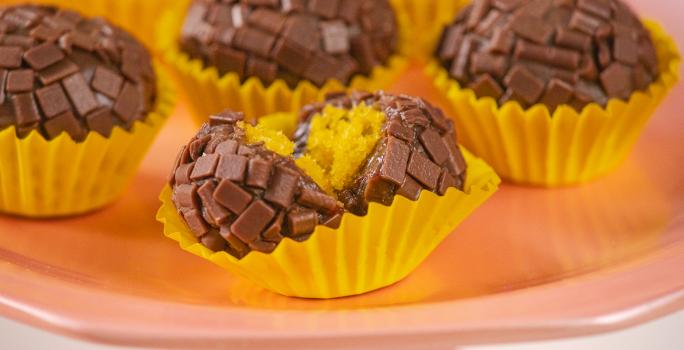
x,y
553,52
417,150
61,72
239,197
293,40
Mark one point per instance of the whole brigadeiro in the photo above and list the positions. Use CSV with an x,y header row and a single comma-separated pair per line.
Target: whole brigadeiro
x,y
543,66
75,92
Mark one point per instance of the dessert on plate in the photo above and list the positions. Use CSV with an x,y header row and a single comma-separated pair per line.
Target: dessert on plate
x,y
552,92
79,104
377,177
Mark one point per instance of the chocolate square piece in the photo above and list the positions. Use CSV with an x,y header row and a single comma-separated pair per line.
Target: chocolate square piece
x,y
79,94
317,200
524,84
231,167
282,188
213,241
129,103
20,80
218,214
253,221
100,121
185,196
107,82
65,122
183,173
205,167
410,189
617,80
396,160
291,56
423,170
57,71
43,55
225,148
432,141
10,56
25,109
52,100
196,223
259,173
302,222
232,196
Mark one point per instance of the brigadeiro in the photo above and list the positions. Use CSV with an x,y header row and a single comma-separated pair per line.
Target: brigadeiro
x,y
557,54
61,72
378,159
295,43
66,78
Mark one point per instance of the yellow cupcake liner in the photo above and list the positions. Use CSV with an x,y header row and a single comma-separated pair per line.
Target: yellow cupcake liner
x,y
135,16
363,254
207,92
60,177
535,148
422,23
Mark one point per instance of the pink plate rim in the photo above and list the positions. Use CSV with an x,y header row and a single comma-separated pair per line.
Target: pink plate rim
x,y
134,321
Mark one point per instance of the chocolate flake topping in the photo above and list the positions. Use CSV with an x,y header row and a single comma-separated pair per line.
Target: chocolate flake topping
x,y
554,52
293,40
61,72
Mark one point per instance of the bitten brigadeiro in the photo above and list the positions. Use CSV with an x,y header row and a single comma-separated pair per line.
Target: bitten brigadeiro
x,y
292,40
240,187
61,72
553,52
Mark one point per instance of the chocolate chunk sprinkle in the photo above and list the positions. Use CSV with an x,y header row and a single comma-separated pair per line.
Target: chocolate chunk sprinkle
x,y
253,221
43,55
396,160
205,167
52,100
282,188
423,170
259,173
232,196
20,80
231,167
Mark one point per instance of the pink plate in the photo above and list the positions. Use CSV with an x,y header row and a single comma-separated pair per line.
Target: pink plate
x,y
531,264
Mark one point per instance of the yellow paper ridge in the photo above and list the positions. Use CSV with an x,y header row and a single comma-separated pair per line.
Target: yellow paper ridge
x,y
363,254
536,148
207,92
60,177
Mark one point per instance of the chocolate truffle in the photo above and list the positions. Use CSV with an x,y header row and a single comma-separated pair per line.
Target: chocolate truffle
x,y
416,150
292,40
61,72
238,197
553,52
